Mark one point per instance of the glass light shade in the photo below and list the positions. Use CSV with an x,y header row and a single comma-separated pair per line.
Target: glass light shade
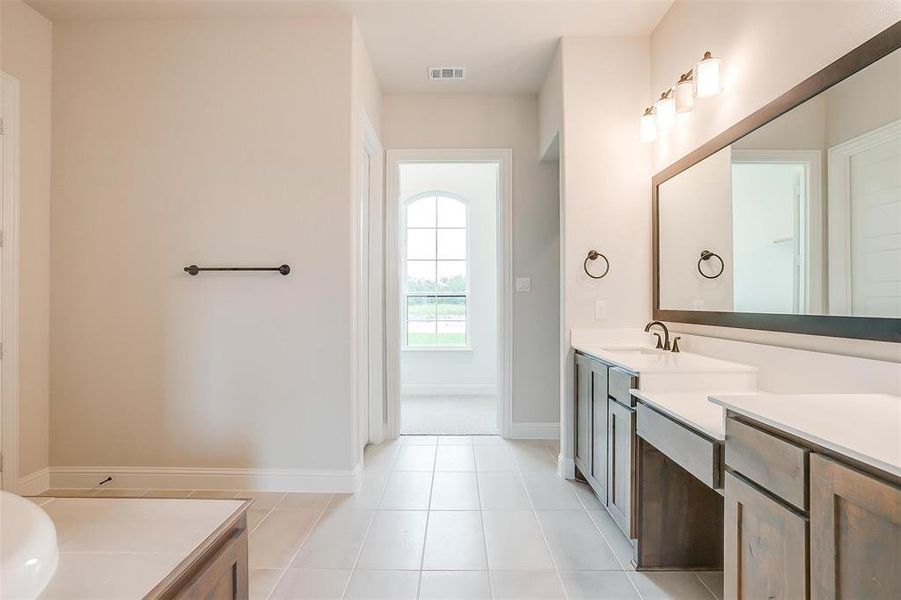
x,y
666,111
707,77
648,126
685,96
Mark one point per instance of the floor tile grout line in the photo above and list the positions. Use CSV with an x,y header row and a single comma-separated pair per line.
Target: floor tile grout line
x,y
484,535
353,568
428,518
707,587
546,543
301,545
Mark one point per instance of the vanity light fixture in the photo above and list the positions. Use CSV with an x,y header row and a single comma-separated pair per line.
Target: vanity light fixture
x,y
665,107
685,93
648,125
703,81
707,77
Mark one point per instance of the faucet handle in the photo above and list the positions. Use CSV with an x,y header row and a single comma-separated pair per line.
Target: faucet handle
x,y
659,340
676,343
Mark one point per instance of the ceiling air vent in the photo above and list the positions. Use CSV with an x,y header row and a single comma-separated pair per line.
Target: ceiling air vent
x,y
447,73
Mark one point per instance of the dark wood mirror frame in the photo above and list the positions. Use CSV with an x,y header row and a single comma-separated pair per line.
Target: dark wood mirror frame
x,y
867,328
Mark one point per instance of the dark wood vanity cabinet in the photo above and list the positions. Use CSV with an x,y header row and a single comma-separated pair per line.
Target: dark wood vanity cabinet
x,y
855,540
620,460
801,523
597,476
766,545
583,413
605,435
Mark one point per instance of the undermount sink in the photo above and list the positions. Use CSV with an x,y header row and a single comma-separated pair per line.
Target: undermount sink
x,y
29,548
635,351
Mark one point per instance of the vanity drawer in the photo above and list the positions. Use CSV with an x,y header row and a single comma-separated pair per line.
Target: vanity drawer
x,y
696,454
769,461
619,382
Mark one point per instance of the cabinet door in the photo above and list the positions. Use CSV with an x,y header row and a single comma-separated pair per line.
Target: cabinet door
x,y
620,458
224,576
765,546
599,430
855,541
583,414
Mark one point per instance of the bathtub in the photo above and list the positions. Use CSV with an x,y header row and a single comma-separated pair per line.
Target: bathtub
x,y
28,548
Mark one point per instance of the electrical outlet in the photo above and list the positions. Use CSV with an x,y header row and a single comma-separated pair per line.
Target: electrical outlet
x,y
600,310
698,305
523,284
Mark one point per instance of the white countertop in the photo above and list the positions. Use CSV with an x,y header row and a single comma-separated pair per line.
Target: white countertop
x,y
652,361
123,548
865,427
690,408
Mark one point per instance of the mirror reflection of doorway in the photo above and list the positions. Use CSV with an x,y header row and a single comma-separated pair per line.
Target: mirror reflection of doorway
x,y
448,266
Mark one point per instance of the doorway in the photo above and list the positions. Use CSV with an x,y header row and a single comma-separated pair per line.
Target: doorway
x,y
776,231
447,307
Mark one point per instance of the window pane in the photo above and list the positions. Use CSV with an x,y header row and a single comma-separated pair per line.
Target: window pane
x,y
451,275
421,308
451,212
451,333
420,333
421,244
421,213
451,309
420,276
452,243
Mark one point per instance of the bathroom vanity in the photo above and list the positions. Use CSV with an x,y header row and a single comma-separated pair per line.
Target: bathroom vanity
x,y
812,496
149,548
610,454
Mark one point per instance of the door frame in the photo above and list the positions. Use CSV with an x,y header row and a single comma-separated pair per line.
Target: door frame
x,y
813,250
839,207
9,282
368,362
504,158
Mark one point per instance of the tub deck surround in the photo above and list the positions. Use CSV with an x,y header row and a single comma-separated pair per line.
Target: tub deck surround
x,y
136,547
862,427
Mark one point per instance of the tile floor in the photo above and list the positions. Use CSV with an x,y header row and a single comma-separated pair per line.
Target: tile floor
x,y
448,415
447,517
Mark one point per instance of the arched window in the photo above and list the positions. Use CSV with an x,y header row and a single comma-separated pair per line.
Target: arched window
x,y
436,277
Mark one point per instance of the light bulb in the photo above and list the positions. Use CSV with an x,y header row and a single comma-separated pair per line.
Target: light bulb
x,y
685,94
665,108
648,125
707,77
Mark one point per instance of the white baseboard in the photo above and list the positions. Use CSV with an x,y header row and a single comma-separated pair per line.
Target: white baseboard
x,y
35,483
448,390
181,478
535,431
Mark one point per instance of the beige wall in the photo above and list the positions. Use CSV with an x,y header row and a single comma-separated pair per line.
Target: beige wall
x,y
25,53
478,121
762,59
605,206
217,142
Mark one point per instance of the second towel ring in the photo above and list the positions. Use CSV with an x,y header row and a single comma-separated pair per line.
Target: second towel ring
x,y
707,255
594,255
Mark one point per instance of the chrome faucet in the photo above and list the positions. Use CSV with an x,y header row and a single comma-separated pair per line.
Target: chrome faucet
x,y
665,345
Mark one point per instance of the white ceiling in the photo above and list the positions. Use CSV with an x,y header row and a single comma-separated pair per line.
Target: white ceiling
x,y
505,45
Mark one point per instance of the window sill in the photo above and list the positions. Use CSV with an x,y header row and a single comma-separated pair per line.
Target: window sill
x,y
433,349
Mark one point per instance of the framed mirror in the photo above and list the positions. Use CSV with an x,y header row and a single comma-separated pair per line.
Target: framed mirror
x,y
791,219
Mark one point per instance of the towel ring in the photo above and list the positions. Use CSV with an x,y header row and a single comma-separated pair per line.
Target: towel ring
x,y
707,255
594,255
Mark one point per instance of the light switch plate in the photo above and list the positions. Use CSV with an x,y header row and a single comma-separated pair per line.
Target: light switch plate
x,y
600,310
523,284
